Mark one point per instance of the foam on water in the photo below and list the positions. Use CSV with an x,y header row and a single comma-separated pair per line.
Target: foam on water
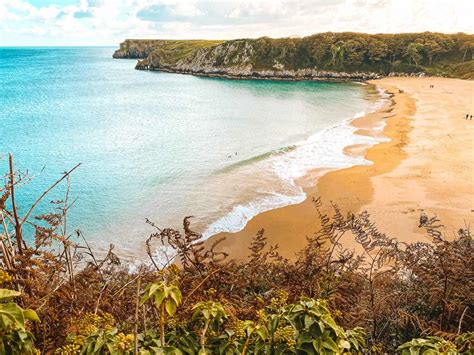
x,y
163,146
324,149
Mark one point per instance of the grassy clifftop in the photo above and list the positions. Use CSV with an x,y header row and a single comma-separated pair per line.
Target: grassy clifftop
x,y
172,50
324,55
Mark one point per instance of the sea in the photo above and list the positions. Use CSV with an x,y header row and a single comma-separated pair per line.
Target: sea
x,y
164,146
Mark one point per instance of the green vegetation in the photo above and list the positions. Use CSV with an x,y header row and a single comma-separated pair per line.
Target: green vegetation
x,y
432,53
170,51
173,51
463,70
393,297
14,336
438,345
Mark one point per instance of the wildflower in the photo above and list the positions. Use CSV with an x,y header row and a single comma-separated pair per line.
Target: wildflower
x,y
5,277
124,342
262,316
90,323
238,327
69,349
280,299
211,292
285,335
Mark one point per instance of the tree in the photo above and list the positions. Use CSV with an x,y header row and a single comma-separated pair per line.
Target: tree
x,y
396,46
377,51
467,47
319,46
432,48
353,52
413,53
334,52
337,52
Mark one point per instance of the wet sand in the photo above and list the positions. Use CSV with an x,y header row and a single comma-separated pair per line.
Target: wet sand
x,y
426,165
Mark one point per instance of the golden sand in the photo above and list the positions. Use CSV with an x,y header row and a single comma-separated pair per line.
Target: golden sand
x,y
426,166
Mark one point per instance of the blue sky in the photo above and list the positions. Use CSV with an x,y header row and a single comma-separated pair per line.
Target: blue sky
x,y
108,22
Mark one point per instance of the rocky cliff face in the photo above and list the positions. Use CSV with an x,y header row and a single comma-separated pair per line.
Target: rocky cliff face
x,y
325,56
136,49
237,59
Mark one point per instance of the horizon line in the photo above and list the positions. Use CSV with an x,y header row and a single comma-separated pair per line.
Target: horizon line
x,y
228,39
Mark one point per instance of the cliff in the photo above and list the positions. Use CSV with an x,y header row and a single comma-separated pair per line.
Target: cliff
x,y
327,56
136,48
168,50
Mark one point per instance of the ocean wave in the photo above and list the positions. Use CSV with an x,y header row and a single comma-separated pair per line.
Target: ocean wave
x,y
239,216
255,159
324,149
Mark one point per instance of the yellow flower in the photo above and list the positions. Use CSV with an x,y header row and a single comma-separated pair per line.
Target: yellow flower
x,y
124,342
5,277
280,299
90,323
70,349
285,335
262,316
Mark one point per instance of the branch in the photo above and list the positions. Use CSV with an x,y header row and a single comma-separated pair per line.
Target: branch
x,y
66,174
15,213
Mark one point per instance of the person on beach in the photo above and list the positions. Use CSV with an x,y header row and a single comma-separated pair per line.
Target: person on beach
x,y
470,117
467,116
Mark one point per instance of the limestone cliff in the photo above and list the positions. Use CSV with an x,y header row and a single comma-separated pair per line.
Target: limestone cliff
x,y
327,56
136,49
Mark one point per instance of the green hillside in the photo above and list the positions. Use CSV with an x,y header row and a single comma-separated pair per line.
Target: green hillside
x,y
380,54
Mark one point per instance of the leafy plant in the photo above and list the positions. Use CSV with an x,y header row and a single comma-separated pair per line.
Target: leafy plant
x,y
429,346
317,332
166,298
102,341
15,338
256,334
212,315
393,290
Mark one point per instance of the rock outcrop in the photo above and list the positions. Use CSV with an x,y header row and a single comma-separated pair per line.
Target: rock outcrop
x,y
136,48
235,60
326,56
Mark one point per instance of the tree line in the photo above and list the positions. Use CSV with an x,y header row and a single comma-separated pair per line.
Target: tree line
x,y
407,52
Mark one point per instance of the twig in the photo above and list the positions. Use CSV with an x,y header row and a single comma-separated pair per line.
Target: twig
x,y
15,213
100,296
200,284
65,175
137,305
124,286
460,319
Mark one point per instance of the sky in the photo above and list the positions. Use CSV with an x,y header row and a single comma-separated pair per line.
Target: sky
x,y
108,22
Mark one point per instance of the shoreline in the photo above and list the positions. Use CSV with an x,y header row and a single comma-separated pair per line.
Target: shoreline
x,y
310,75
236,243
241,214
358,187
320,76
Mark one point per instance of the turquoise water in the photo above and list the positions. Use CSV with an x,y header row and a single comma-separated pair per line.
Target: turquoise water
x,y
165,146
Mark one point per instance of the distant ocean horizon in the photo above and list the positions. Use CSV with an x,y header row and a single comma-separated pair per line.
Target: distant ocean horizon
x,y
164,146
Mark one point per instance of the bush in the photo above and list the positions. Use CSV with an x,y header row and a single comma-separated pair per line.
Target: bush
x,y
328,299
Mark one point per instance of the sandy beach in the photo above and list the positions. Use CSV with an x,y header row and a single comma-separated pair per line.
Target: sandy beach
x,y
426,165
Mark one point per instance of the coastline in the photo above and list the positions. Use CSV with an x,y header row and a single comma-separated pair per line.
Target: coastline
x,y
301,162
389,189
277,75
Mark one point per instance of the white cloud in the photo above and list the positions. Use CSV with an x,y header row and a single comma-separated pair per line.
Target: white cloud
x,y
110,21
